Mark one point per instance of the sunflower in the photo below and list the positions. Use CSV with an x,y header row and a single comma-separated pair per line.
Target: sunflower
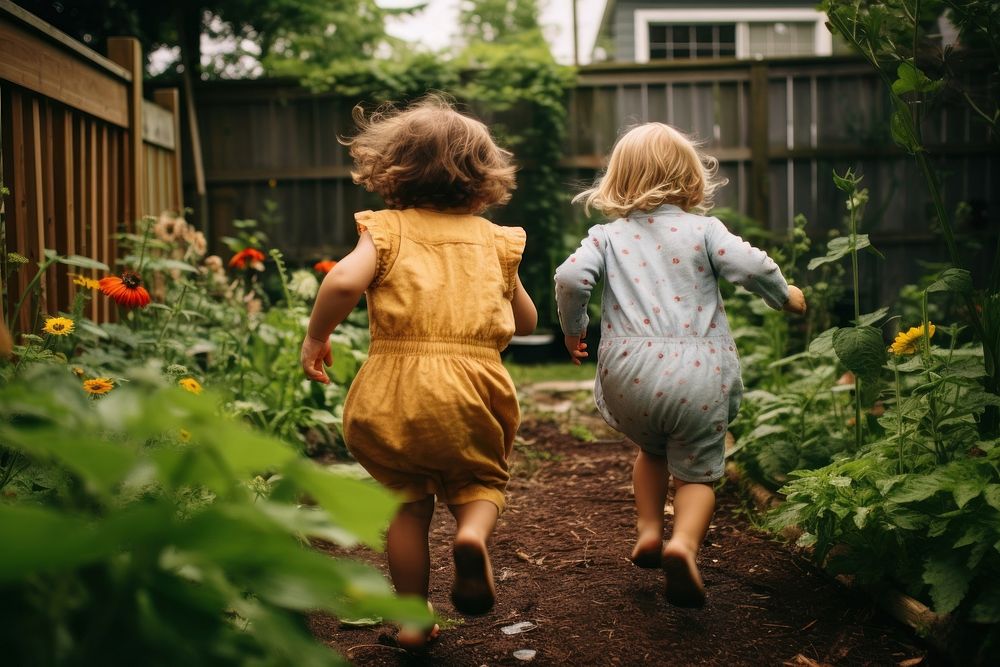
x,y
58,326
83,281
325,266
190,384
98,386
246,256
906,343
126,290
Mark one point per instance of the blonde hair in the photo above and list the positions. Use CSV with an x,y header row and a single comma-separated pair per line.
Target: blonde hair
x,y
429,155
651,165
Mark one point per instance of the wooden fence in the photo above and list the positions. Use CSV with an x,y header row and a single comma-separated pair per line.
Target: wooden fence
x,y
779,128
83,155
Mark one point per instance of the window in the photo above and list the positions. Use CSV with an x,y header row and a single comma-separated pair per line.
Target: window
x,y
691,41
781,39
720,33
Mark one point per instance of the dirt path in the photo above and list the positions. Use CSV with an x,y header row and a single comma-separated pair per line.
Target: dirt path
x,y
560,555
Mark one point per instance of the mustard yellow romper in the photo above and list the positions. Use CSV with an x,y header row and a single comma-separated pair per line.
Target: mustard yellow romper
x,y
432,410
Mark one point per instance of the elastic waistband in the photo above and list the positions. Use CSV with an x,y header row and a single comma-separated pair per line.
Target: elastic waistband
x,y
438,348
683,340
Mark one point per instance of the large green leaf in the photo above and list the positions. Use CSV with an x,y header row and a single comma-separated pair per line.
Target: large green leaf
x,y
911,79
822,344
948,579
952,280
95,460
38,539
919,487
359,506
79,261
860,349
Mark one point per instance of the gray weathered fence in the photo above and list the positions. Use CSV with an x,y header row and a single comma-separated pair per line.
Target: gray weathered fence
x,y
779,128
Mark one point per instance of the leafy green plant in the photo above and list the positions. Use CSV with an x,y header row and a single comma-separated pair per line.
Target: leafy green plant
x,y
140,532
892,36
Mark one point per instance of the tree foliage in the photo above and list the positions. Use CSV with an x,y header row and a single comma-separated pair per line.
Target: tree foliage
x,y
270,31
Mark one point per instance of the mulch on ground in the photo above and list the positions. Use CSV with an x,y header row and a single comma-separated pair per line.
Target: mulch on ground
x,y
560,556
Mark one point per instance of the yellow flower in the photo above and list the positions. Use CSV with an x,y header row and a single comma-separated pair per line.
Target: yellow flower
x,y
906,343
98,386
190,384
83,281
185,435
77,371
58,326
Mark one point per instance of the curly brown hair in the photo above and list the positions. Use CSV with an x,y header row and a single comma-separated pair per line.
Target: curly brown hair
x,y
429,156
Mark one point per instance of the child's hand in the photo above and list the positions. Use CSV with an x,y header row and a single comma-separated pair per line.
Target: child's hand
x,y
577,348
314,354
796,301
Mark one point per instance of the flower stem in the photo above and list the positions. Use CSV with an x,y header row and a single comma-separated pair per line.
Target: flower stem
x,y
899,414
42,268
178,305
856,282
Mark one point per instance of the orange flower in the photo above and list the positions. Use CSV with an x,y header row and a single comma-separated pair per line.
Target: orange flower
x,y
126,290
325,266
246,256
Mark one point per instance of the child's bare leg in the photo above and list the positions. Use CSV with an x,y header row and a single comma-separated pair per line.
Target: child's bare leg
x,y
649,483
694,504
409,561
473,591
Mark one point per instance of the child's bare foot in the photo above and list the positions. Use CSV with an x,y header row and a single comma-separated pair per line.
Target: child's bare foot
x,y
473,592
413,638
684,586
646,553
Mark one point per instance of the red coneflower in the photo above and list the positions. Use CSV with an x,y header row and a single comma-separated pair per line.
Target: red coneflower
x,y
325,266
126,290
245,256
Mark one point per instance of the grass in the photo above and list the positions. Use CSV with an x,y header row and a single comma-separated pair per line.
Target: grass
x,y
530,374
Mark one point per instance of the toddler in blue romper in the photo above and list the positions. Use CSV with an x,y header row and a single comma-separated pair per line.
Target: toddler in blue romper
x,y
668,373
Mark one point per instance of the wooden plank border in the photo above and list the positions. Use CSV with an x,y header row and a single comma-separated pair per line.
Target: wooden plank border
x,y
32,63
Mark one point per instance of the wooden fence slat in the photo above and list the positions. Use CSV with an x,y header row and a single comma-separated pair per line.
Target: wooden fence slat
x,y
127,52
169,98
64,209
93,222
17,212
36,204
759,163
55,278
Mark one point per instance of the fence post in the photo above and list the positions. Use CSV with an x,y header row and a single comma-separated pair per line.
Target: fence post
x,y
760,187
127,52
170,99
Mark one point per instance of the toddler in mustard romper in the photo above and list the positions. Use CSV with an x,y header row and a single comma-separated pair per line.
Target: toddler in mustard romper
x,y
433,411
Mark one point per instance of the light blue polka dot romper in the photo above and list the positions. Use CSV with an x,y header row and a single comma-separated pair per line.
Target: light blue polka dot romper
x,y
668,374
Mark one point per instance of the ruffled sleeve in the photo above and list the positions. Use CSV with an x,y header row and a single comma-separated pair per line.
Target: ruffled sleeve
x,y
510,243
384,230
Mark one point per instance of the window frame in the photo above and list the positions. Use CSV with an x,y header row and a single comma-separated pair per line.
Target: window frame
x,y
644,18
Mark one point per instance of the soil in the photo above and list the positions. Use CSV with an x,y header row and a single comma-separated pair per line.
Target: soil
x,y
560,555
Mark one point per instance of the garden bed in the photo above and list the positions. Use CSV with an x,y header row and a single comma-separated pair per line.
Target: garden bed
x,y
560,555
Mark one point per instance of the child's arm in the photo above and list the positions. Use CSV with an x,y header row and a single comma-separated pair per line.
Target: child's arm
x,y
739,262
525,314
575,280
338,295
